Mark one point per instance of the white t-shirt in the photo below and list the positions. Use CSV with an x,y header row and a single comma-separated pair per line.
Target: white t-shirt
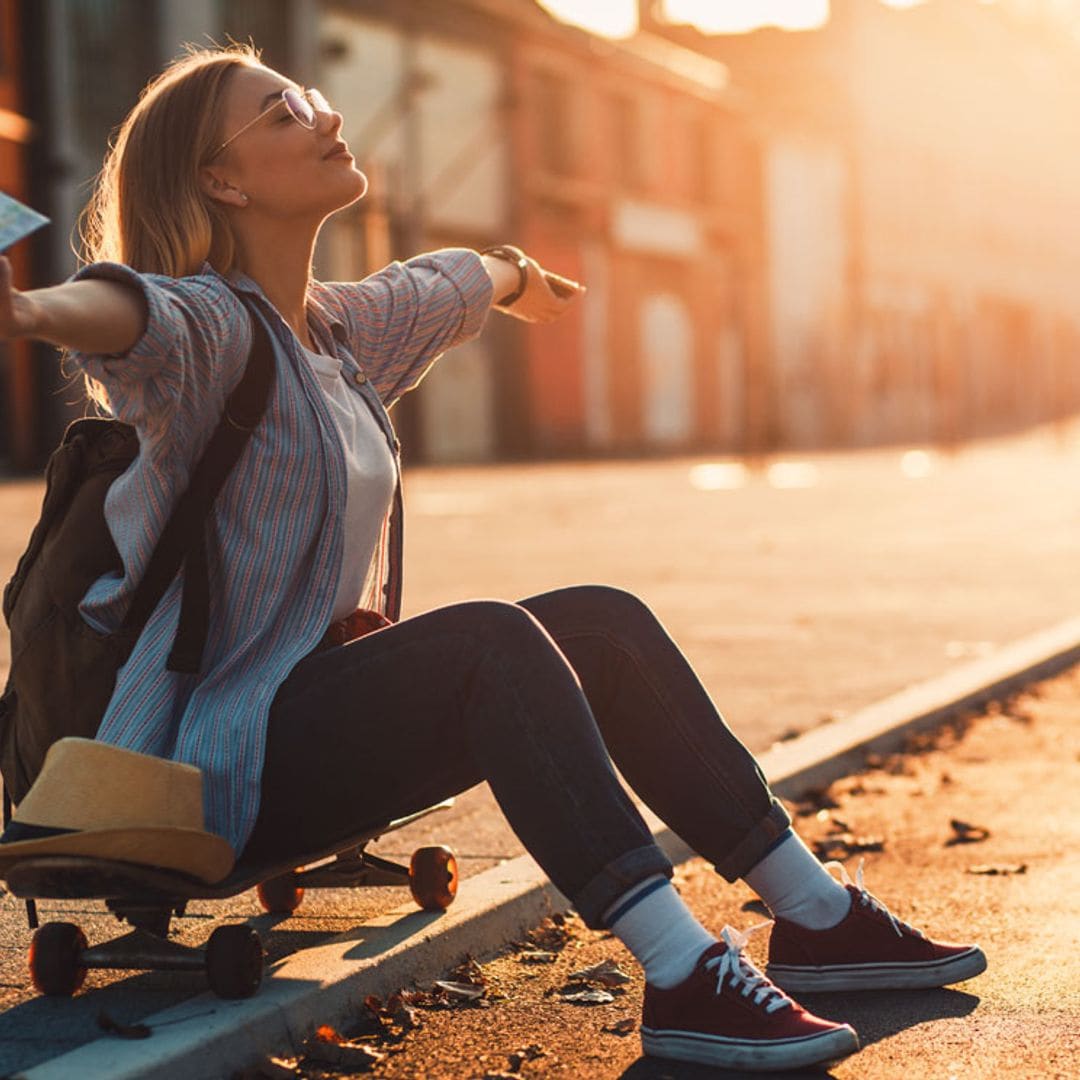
x,y
370,478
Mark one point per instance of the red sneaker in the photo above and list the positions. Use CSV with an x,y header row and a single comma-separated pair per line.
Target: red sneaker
x,y
727,1014
871,949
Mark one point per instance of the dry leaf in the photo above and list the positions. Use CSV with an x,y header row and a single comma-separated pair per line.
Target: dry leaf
x,y
607,973
1003,869
589,997
537,956
463,991
625,1026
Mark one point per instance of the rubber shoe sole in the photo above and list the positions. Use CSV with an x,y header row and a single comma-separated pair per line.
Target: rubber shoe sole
x,y
753,1055
909,975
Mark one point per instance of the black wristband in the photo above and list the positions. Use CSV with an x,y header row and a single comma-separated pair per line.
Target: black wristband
x,y
509,253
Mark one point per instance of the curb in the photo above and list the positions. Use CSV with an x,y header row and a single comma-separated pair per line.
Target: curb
x,y
206,1037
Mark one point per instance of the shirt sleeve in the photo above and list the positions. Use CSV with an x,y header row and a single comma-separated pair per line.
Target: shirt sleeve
x,y
401,319
196,338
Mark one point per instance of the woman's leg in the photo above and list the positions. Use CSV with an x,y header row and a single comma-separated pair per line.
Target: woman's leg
x,y
431,706
661,727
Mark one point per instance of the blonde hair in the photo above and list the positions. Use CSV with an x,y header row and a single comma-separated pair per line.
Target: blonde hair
x,y
148,210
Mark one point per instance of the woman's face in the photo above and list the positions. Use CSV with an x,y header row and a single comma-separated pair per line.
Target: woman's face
x,y
283,167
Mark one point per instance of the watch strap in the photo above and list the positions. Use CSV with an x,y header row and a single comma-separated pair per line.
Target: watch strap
x,y
511,254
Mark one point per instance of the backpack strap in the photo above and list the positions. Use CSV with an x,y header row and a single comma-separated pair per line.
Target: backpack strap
x,y
184,537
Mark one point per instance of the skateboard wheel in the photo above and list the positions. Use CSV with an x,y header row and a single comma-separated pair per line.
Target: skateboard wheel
x,y
55,951
280,895
234,961
433,877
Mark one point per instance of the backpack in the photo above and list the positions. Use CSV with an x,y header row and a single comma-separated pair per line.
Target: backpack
x,y
63,672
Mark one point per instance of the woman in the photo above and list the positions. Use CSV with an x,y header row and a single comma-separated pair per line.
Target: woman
x,y
218,184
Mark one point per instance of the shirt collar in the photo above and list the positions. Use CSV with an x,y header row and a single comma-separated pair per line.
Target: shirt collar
x,y
245,284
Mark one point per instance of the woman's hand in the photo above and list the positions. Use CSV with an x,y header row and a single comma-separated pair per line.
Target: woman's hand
x,y
545,296
20,315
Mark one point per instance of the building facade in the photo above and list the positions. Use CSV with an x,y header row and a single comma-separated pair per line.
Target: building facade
x,y
923,217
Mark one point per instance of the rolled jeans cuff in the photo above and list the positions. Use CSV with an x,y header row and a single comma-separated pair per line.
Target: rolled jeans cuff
x,y
616,878
752,847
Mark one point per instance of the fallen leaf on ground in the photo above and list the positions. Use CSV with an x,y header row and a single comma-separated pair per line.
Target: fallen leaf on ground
x,y
537,956
625,1026
966,833
1002,869
462,991
468,971
607,973
589,997
124,1031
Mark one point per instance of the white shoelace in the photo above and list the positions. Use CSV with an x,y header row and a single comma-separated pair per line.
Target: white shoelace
x,y
867,898
734,966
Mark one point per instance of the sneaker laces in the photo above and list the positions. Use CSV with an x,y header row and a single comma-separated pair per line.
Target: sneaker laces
x,y
867,898
736,967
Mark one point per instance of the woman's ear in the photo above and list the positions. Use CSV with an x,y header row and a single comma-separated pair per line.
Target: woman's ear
x,y
216,187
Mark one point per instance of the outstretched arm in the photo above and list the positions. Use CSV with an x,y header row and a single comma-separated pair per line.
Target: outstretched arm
x,y
91,316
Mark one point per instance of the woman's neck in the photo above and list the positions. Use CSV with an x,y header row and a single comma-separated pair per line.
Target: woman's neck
x,y
281,266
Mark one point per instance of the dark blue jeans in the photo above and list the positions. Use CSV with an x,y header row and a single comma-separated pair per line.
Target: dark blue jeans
x,y
538,699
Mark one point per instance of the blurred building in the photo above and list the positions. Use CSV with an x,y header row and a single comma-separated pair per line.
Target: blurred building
x,y
625,165
862,234
922,200
480,121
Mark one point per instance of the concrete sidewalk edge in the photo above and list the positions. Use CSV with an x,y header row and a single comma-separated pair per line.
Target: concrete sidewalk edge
x,y
207,1037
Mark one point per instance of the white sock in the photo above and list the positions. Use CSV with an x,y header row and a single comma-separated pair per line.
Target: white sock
x,y
651,920
794,884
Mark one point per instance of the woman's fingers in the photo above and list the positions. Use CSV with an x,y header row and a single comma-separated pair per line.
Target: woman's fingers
x,y
547,295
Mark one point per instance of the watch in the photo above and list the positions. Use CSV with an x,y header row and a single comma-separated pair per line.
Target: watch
x,y
509,253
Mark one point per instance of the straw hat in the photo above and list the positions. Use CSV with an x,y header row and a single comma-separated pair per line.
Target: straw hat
x,y
106,802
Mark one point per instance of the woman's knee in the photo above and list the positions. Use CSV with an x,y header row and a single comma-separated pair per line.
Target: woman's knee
x,y
605,608
498,622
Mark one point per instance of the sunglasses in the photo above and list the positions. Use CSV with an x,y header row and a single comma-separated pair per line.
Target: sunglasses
x,y
302,105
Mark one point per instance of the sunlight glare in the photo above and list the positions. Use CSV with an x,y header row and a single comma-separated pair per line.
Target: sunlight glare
x,y
718,476
740,17
915,464
609,18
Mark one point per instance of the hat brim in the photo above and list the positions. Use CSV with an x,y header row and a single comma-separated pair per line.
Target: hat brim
x,y
193,852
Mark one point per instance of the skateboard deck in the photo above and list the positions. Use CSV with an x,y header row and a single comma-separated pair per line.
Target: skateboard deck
x,y
79,877
147,897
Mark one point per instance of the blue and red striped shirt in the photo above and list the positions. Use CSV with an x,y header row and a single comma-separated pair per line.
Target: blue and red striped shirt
x,y
275,537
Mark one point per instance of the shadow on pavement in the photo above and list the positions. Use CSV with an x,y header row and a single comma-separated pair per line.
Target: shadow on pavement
x,y
875,1016
880,1014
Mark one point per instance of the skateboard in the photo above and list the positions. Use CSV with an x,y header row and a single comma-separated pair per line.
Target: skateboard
x,y
147,898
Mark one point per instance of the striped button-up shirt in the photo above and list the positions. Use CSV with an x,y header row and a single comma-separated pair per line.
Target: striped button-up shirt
x,y
275,537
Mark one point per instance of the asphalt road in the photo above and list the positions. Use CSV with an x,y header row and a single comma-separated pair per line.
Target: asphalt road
x,y
1016,893
800,588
